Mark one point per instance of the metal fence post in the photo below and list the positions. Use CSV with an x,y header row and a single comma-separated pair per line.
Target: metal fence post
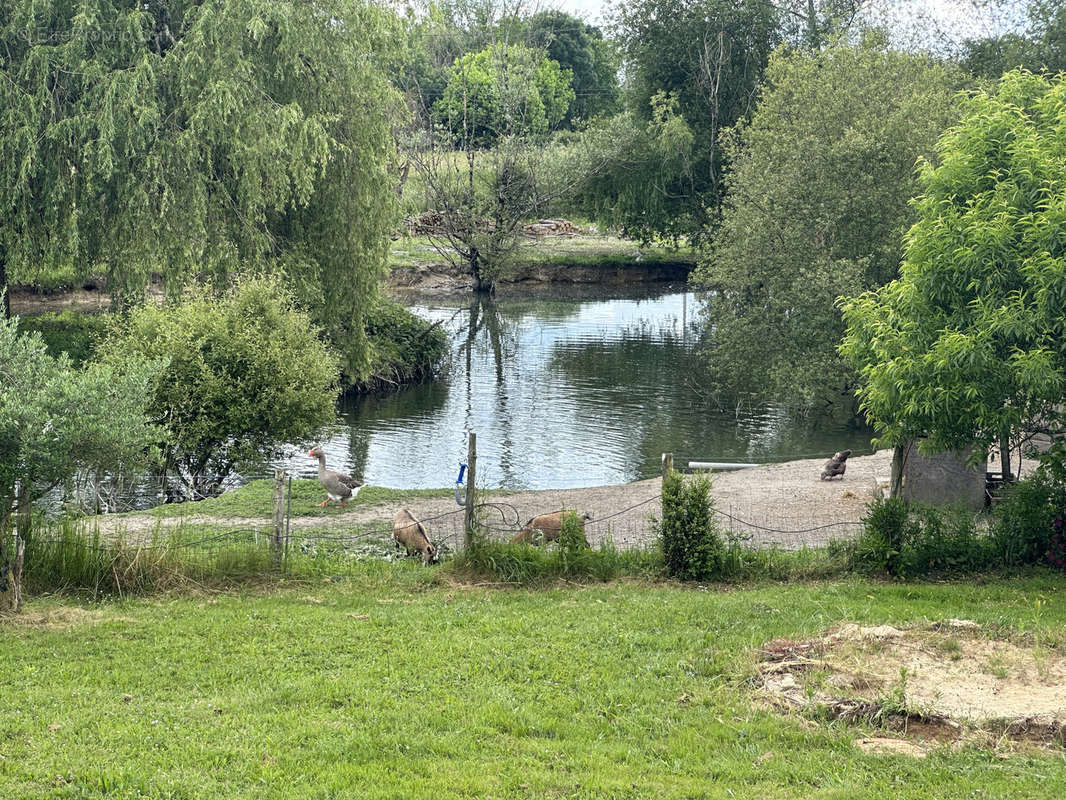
x,y
279,516
471,473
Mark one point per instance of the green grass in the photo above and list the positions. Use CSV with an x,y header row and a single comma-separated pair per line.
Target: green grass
x,y
396,685
256,499
590,250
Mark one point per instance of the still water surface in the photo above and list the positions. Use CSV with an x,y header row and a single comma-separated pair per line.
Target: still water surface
x,y
564,391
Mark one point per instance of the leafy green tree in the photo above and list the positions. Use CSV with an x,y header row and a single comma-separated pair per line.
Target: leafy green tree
x,y
580,48
818,202
1040,48
642,179
193,139
503,90
704,59
245,373
968,346
56,420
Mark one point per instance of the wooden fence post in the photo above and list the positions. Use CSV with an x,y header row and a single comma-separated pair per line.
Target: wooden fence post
x,y
278,539
471,474
668,463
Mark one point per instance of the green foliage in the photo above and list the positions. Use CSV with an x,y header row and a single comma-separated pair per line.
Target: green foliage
x,y
689,537
404,348
67,332
643,186
707,57
883,534
503,90
532,565
818,202
967,347
246,372
907,542
580,48
1029,522
56,420
192,139
1040,48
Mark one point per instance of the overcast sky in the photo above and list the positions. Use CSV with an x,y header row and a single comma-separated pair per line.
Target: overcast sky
x,y
960,17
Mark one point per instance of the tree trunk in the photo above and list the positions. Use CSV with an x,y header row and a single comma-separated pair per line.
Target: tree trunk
x,y
1004,458
895,486
475,268
5,304
814,37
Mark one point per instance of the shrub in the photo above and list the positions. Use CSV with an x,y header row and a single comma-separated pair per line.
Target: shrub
x,y
404,348
1028,523
907,541
244,373
881,541
691,542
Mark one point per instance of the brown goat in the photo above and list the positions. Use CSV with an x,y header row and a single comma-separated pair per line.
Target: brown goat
x,y
411,533
548,526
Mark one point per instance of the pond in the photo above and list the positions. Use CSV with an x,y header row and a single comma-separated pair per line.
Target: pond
x,y
565,390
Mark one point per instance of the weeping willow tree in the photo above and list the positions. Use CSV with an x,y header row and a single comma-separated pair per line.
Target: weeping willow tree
x,y
193,140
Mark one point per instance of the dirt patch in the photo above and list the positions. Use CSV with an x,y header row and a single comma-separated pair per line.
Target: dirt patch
x,y
942,682
64,618
883,745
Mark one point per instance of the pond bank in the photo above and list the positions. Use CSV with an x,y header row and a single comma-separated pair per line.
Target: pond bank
x,y
444,278
421,264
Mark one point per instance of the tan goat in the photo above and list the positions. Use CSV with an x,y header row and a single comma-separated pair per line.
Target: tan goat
x,y
547,527
412,534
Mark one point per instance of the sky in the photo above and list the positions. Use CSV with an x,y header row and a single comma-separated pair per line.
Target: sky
x,y
957,16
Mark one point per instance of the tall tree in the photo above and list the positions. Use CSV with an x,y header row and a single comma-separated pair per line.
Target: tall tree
x,y
504,90
968,346
192,139
818,202
704,58
580,48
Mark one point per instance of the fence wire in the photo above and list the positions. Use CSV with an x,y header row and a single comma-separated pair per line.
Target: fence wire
x,y
328,544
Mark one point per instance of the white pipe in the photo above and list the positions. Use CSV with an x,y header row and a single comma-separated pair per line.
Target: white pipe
x,y
718,465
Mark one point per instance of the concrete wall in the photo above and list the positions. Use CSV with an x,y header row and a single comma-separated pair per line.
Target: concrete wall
x,y
942,479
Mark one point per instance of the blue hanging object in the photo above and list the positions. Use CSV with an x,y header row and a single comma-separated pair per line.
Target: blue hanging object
x,y
459,498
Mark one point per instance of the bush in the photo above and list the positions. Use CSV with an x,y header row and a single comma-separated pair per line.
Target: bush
x,y
404,348
907,541
691,542
1028,526
884,528
244,373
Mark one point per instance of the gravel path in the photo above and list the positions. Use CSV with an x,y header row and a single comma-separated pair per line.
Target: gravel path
x,y
784,504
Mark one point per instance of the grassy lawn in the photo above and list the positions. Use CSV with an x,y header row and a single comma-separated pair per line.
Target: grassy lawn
x,y
586,250
256,499
395,684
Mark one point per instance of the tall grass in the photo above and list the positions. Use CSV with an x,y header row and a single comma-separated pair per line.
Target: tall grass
x,y
72,556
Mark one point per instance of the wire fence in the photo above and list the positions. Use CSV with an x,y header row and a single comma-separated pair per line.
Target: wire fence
x,y
267,525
